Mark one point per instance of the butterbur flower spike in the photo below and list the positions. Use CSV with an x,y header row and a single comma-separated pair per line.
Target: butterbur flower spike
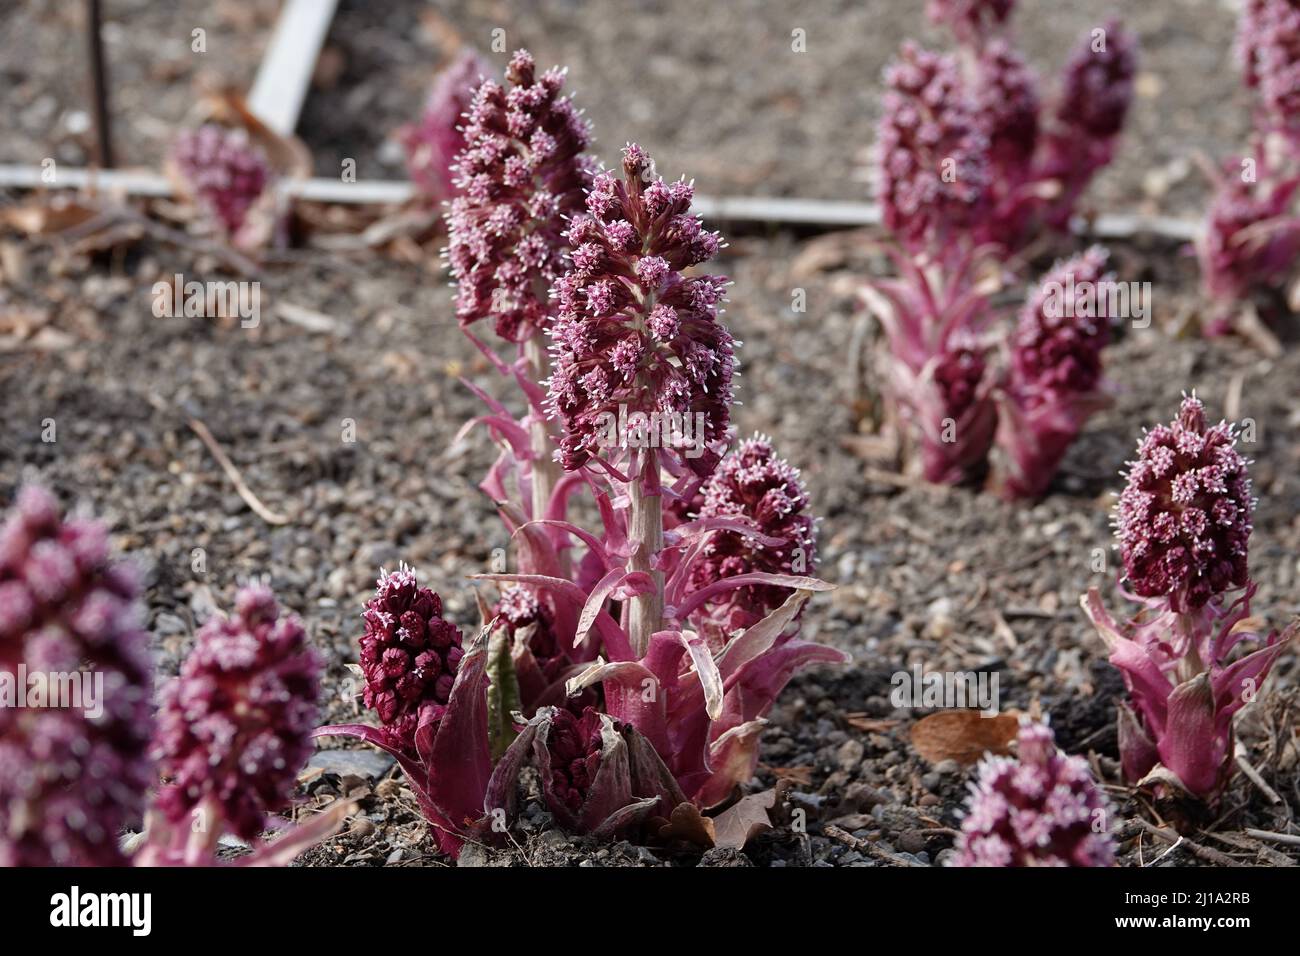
x,y
1083,134
1268,45
521,176
1251,236
430,694
640,386
233,732
224,169
1250,241
1183,525
70,780
938,377
1039,809
638,352
409,657
952,412
1055,378
543,661
1009,104
433,143
754,484
1005,92
1183,520
933,170
598,777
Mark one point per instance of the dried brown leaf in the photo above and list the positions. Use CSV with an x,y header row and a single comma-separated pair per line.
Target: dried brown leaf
x,y
735,826
687,823
964,735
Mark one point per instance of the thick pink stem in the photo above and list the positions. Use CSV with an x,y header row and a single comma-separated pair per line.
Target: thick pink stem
x,y
646,532
545,470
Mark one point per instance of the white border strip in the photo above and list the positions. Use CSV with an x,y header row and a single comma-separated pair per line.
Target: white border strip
x,y
286,69
808,212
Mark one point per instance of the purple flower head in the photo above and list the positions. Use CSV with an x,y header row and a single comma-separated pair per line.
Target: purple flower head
x,y
433,143
952,414
1057,345
1098,84
575,747
224,169
958,374
1183,524
1250,236
598,776
933,152
1043,809
521,175
524,615
1055,378
753,482
70,780
1009,106
542,659
971,21
1084,132
1183,519
429,690
233,728
639,356
1268,44
409,657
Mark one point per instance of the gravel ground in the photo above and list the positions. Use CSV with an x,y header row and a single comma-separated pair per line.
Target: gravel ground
x,y
155,75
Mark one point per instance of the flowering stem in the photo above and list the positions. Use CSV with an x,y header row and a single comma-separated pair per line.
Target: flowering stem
x,y
646,533
545,470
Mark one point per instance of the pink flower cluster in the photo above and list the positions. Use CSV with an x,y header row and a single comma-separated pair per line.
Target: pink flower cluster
x,y
1268,45
75,771
1183,525
1083,134
933,172
433,143
409,657
225,170
1251,237
969,167
1042,809
70,780
635,336
965,154
233,728
936,371
429,692
1183,519
1054,380
521,175
1009,104
753,482
645,651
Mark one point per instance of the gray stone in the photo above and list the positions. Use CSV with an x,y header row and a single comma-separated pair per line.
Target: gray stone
x,y
472,854
368,764
849,754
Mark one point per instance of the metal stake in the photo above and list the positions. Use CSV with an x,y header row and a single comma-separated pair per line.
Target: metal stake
x,y
99,88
